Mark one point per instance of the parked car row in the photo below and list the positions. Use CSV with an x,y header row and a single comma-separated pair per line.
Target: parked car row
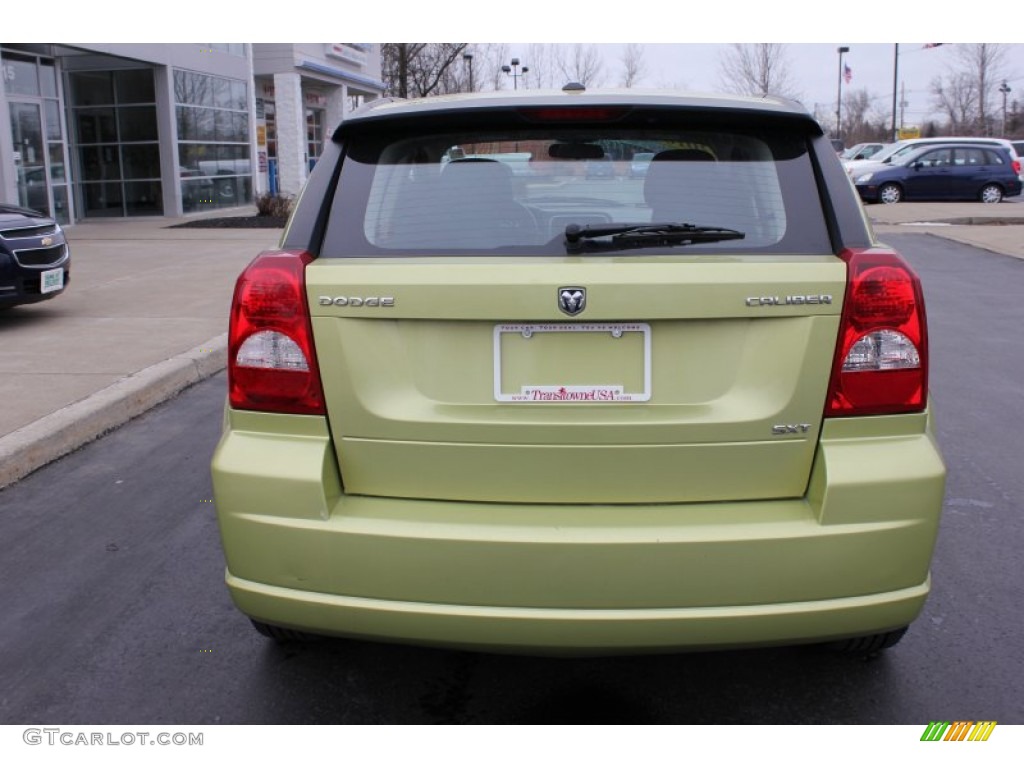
x,y
942,172
962,168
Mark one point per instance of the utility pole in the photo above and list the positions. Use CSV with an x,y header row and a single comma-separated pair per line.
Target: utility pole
x,y
903,103
1004,89
895,77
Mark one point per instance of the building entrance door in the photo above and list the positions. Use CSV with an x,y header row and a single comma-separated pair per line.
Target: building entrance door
x,y
30,157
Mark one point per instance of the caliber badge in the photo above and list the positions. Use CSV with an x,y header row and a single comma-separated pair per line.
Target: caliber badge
x,y
572,299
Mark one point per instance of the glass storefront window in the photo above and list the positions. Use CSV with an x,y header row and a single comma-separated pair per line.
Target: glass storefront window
x,y
60,204
48,80
143,198
95,125
213,141
102,199
238,100
141,161
57,162
314,134
270,111
137,123
100,163
20,75
134,86
54,130
91,88
116,145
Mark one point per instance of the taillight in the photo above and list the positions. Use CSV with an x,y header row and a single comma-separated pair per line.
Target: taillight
x,y
271,360
881,362
1016,167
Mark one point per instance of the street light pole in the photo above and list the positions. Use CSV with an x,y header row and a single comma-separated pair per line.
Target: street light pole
x,y
1004,89
514,71
839,99
468,58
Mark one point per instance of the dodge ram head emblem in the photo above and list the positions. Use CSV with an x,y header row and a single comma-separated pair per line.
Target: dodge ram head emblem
x,y
572,300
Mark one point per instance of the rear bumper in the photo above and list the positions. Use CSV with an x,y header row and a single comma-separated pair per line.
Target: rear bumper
x,y
578,631
849,558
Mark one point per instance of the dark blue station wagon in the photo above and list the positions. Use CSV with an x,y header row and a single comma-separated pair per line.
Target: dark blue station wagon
x,y
946,172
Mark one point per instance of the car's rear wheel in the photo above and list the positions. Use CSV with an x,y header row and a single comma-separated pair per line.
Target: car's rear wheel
x,y
869,643
890,193
991,193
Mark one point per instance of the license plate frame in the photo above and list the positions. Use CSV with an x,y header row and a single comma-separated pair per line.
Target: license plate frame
x,y
607,392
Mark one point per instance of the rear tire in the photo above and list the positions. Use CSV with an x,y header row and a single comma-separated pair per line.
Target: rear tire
x,y
890,193
869,644
991,193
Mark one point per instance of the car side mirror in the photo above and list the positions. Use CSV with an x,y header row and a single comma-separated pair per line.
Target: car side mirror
x,y
917,166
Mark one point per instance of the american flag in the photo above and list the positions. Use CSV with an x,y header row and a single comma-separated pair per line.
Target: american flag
x,y
847,73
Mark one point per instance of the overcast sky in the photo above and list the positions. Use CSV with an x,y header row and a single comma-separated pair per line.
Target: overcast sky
x,y
814,69
683,41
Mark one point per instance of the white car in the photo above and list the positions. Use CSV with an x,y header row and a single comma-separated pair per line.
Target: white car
x,y
863,151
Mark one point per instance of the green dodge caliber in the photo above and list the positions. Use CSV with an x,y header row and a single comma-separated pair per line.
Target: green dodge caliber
x,y
482,398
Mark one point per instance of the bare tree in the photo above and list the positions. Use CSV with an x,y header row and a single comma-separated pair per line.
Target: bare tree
x,y
863,120
581,63
983,63
956,96
421,69
756,69
633,65
496,55
540,58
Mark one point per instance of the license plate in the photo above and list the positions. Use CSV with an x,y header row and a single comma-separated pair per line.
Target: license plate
x,y
572,362
51,280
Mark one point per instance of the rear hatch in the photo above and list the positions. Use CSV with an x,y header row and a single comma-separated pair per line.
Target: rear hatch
x,y
469,355
473,386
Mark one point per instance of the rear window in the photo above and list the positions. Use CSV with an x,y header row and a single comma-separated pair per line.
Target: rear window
x,y
509,192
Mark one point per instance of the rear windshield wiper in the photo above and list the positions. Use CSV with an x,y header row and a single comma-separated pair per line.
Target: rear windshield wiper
x,y
621,236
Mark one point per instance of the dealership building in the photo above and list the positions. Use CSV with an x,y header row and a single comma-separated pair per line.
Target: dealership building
x,y
108,131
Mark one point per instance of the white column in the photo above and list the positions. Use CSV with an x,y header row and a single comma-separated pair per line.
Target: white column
x,y
167,130
292,168
8,170
336,103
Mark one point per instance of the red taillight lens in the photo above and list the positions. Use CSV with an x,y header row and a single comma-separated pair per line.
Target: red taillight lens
x,y
271,359
881,363
1016,167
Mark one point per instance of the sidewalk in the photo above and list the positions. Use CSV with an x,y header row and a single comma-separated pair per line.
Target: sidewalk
x,y
998,228
145,315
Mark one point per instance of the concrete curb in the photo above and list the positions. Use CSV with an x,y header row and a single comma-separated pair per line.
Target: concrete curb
x,y
47,439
